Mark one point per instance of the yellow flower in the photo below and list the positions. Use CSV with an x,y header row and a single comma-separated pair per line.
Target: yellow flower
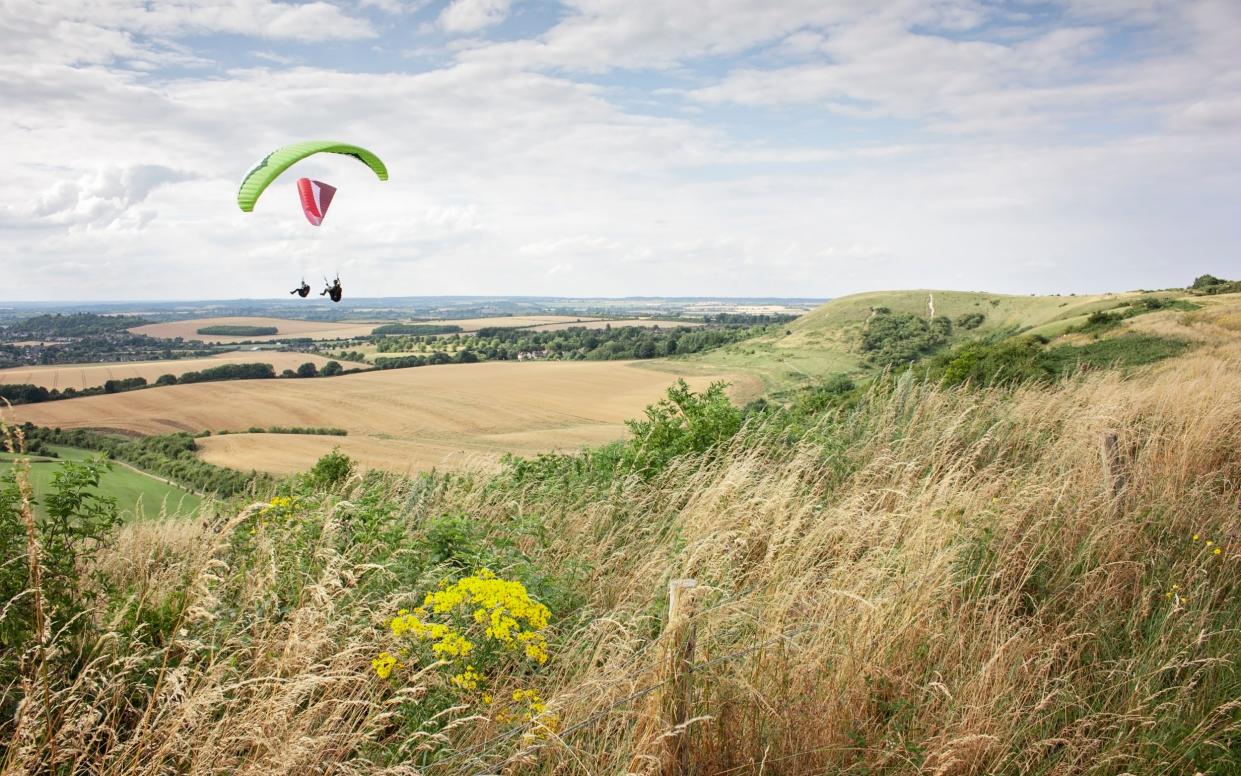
x,y
384,664
1195,537
1216,551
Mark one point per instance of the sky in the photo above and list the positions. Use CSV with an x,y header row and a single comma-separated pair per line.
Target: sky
x,y
800,148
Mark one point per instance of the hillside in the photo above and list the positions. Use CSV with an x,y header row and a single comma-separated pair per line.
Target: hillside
x,y
910,579
826,340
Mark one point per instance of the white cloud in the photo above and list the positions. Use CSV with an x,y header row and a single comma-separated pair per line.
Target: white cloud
x,y
472,15
104,197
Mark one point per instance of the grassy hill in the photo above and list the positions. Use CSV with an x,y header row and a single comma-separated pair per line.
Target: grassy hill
x,y
910,578
827,340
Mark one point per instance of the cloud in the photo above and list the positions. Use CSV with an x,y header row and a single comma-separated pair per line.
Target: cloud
x,y
472,15
104,197
96,33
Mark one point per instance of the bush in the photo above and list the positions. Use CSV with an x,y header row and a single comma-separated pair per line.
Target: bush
x,y
893,339
331,369
681,423
970,320
77,523
331,470
166,380
307,369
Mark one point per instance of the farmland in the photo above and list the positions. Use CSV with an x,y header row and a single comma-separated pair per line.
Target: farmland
x,y
285,329
80,376
137,495
397,420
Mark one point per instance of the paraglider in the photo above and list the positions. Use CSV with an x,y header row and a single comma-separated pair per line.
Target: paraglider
x,y
315,196
333,290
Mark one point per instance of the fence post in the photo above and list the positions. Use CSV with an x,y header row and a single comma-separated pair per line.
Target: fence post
x,y
681,640
1113,467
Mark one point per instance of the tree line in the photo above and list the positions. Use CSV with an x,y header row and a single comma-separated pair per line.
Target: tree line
x,y
25,393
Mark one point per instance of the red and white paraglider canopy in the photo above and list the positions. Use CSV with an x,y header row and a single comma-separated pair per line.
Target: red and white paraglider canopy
x,y
316,197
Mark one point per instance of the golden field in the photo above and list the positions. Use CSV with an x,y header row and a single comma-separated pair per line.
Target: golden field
x,y
285,329
399,420
81,376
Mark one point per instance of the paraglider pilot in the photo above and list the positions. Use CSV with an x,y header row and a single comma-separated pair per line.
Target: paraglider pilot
x,y
303,290
334,290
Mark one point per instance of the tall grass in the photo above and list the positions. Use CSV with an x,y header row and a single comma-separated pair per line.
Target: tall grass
x,y
933,581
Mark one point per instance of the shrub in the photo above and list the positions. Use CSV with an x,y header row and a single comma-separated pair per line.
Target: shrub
x,y
75,525
332,469
970,320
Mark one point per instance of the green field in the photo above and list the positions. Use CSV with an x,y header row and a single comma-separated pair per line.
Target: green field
x,y
137,495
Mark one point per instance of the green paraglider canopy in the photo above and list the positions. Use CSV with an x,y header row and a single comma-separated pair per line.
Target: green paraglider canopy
x,y
283,158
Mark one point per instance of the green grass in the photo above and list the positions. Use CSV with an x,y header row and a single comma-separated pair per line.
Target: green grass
x,y
137,495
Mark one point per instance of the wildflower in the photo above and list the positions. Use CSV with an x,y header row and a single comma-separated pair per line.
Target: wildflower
x,y
1209,542
1195,537
467,679
1216,551
384,664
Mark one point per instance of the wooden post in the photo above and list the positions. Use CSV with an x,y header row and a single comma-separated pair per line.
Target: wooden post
x,y
681,645
1113,467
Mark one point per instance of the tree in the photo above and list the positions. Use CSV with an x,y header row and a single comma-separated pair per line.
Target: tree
x,y
330,369
166,380
308,369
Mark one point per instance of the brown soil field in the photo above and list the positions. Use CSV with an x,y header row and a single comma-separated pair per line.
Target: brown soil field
x,y
599,324
285,329
402,419
90,375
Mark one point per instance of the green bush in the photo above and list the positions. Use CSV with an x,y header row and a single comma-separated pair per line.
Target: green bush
x,y
77,522
970,320
893,339
331,470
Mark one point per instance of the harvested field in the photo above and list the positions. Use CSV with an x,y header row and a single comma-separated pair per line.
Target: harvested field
x,y
404,419
81,376
285,329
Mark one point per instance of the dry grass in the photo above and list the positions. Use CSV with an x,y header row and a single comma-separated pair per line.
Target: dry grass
x,y
81,376
401,419
962,593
